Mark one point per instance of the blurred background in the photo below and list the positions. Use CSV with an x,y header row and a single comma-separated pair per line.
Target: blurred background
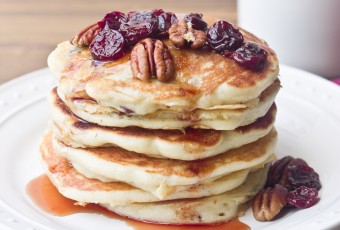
x,y
31,29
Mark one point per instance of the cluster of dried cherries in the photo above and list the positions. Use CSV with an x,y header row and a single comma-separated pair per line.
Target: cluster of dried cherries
x,y
291,183
116,33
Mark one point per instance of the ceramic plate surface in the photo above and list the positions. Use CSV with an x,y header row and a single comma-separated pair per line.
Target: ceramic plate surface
x,y
308,123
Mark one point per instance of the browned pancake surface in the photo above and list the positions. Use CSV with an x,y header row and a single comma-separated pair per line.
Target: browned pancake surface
x,y
67,176
204,137
188,63
196,168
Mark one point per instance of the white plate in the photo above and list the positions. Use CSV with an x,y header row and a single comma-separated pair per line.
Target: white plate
x,y
308,123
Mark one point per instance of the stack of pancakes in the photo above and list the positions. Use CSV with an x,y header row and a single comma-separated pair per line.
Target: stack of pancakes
x,y
191,151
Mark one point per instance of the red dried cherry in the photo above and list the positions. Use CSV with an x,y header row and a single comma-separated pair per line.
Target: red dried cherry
x,y
165,21
113,19
223,37
107,45
293,173
302,197
196,21
135,31
251,56
141,16
297,175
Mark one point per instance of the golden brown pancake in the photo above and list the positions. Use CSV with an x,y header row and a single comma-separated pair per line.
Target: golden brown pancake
x,y
203,80
209,210
158,175
189,144
76,186
138,204
219,119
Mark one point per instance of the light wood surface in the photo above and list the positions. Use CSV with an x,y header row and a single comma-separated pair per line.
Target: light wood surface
x,y
30,29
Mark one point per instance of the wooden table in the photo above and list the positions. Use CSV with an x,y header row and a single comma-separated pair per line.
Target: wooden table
x,y
30,29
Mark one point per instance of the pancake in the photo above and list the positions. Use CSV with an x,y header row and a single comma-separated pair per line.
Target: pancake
x,y
203,80
193,150
135,203
158,175
208,210
76,186
218,119
192,144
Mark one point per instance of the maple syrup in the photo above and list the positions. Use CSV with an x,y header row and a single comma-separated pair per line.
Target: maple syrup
x,y
46,196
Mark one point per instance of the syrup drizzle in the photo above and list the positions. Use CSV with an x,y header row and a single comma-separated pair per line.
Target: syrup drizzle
x,y
46,196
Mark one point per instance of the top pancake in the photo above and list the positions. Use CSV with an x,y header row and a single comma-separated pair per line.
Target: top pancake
x,y
203,80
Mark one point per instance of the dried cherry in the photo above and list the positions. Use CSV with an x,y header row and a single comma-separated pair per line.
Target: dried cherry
x,y
141,16
107,45
157,12
196,21
302,197
251,56
135,30
113,19
297,175
293,173
165,21
223,37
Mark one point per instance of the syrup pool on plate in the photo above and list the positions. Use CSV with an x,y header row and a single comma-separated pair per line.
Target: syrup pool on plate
x,y
46,196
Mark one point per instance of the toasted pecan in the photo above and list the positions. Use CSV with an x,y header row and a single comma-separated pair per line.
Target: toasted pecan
x,y
151,58
181,34
269,202
86,35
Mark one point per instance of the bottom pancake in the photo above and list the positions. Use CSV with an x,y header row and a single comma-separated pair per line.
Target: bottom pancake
x,y
137,204
208,210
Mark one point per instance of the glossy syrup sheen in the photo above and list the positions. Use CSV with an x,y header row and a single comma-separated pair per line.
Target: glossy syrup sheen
x,y
46,196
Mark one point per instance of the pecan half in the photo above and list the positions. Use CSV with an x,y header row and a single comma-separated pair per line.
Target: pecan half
x,y
181,34
86,35
269,202
151,58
